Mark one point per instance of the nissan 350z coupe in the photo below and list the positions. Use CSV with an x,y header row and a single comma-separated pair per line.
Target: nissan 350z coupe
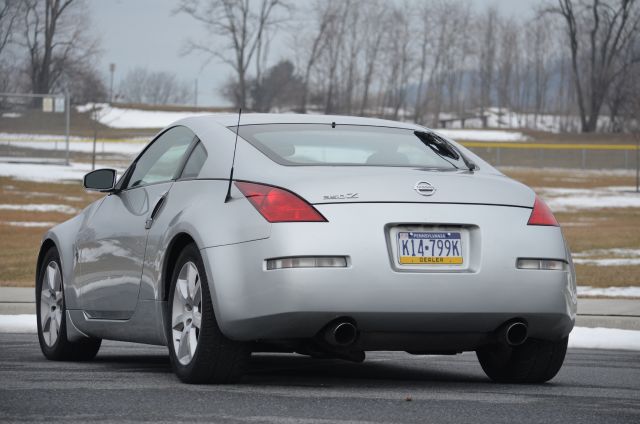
x,y
327,236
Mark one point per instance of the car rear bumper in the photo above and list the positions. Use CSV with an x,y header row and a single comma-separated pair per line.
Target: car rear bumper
x,y
253,303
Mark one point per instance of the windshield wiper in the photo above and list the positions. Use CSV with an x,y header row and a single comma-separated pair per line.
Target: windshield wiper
x,y
444,149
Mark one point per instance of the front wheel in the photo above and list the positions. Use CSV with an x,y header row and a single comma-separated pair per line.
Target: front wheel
x,y
535,361
50,311
199,352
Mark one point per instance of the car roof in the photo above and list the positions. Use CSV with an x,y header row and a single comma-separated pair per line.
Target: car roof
x,y
231,119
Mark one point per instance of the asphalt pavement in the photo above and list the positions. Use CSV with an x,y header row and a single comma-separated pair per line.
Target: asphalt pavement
x,y
130,383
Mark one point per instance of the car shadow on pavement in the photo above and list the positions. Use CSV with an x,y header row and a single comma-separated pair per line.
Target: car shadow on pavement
x,y
288,369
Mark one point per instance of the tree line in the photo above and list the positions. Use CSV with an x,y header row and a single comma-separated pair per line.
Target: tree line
x,y
429,60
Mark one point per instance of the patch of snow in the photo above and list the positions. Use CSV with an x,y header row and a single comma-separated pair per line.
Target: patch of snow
x,y
129,147
608,261
604,338
564,199
29,224
116,117
25,323
483,135
588,291
40,207
45,173
626,253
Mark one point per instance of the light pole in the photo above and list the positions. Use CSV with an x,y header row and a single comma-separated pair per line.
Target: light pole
x,y
112,70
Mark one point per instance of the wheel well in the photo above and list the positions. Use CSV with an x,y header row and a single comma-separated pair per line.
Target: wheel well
x,y
175,247
46,245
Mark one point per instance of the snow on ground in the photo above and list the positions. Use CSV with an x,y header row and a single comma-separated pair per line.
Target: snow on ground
x,y
129,147
116,117
581,337
28,224
25,323
483,135
40,207
45,173
604,338
507,119
588,291
608,261
566,199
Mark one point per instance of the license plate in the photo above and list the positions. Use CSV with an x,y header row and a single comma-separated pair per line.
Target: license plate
x,y
430,248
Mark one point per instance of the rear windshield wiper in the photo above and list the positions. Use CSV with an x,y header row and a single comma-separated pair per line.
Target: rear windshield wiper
x,y
444,149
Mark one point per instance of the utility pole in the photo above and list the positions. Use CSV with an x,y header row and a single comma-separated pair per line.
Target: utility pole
x,y
112,70
195,93
637,136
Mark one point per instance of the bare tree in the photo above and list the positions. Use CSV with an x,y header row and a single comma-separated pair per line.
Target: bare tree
x,y
153,87
399,56
598,33
313,42
238,23
487,39
374,28
10,11
55,35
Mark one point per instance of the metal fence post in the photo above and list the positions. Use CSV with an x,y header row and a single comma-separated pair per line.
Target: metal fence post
x,y
67,107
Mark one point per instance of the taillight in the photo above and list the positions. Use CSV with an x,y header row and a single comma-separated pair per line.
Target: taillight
x,y
279,205
542,215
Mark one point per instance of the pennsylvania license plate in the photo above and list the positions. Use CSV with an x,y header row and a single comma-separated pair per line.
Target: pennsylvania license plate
x,y
429,248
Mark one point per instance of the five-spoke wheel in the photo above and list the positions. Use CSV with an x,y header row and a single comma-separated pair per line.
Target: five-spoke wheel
x,y
50,308
186,313
199,352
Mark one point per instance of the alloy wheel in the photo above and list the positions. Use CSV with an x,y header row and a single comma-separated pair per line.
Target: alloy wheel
x,y
186,313
51,303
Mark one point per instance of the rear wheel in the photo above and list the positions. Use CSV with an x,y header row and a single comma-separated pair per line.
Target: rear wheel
x,y
535,361
199,352
50,310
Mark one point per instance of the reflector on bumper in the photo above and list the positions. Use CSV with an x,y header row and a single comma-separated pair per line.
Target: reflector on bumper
x,y
307,262
548,264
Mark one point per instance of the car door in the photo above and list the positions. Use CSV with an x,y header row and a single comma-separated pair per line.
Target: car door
x,y
112,241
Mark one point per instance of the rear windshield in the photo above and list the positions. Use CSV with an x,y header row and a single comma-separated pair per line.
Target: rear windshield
x,y
344,145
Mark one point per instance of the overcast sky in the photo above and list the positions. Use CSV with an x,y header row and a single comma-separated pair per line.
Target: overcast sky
x,y
146,33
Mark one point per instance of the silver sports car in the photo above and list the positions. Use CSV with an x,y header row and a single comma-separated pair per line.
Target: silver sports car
x,y
327,236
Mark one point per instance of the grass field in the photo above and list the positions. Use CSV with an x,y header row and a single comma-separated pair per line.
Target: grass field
x,y
606,231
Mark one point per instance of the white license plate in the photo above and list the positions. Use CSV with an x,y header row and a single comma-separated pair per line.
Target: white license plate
x,y
430,248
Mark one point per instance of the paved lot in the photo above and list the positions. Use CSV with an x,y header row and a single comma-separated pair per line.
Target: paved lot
x,y
129,382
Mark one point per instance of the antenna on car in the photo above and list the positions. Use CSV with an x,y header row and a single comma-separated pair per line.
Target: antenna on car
x,y
233,161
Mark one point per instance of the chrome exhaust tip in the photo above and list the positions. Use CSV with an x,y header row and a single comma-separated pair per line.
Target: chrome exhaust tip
x,y
341,334
515,333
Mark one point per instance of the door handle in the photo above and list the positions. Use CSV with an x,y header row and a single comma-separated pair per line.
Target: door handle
x,y
149,222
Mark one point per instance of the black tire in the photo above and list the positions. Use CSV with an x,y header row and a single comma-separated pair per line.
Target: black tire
x,y
535,361
217,359
62,349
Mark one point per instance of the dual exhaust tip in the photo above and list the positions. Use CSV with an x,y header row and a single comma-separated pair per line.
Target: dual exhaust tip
x,y
345,333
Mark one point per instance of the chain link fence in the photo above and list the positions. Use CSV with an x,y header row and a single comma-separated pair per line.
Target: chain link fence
x,y
575,156
34,128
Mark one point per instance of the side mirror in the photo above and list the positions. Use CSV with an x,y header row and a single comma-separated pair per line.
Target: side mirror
x,y
103,180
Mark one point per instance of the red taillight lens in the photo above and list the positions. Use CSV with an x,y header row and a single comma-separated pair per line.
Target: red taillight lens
x,y
279,205
542,215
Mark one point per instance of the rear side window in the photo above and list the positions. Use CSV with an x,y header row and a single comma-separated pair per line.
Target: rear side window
x,y
195,162
344,145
